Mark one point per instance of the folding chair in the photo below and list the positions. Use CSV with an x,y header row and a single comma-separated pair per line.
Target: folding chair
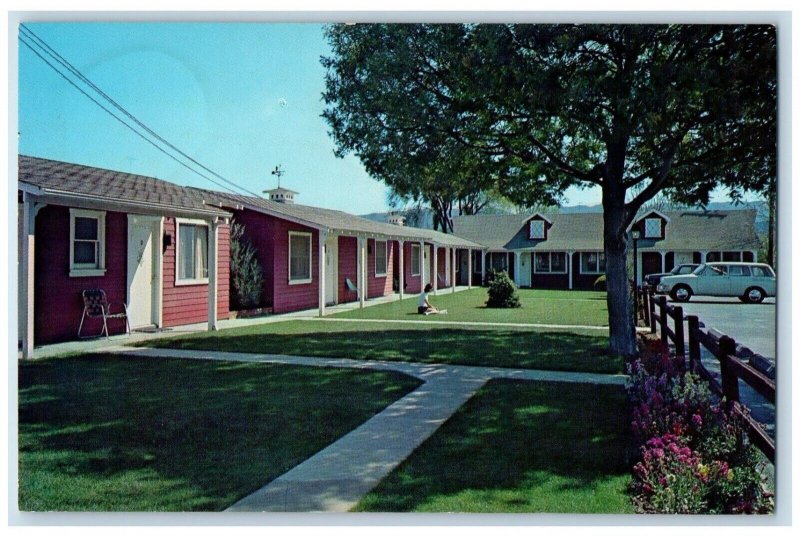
x,y
96,305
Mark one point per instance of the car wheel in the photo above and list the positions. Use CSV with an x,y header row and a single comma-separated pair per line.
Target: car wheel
x,y
681,293
755,295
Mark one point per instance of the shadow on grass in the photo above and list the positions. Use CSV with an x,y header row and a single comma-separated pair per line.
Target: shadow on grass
x,y
561,351
108,433
531,447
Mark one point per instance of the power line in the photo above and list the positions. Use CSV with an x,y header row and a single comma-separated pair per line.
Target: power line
x,y
109,112
33,39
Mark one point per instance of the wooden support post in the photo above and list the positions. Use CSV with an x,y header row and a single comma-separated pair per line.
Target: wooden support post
x,y
469,268
321,275
730,382
662,316
651,311
483,267
362,269
646,307
212,275
401,280
435,271
694,342
680,341
453,269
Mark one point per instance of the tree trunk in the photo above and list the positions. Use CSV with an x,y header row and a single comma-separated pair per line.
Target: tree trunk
x,y
622,335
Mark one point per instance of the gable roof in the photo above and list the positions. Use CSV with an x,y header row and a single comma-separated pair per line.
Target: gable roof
x,y
81,183
686,230
335,221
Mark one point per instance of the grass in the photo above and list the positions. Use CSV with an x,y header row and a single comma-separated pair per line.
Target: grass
x,y
587,308
519,447
560,350
105,433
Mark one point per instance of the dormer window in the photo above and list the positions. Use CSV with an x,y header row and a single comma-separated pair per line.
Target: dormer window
x,y
652,228
537,229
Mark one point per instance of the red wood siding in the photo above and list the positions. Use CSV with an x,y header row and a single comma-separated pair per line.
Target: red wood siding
x,y
58,304
651,263
348,268
297,296
379,285
188,304
550,281
441,273
413,283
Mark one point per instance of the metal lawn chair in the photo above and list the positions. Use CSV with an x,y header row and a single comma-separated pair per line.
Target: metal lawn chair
x,y
97,306
352,287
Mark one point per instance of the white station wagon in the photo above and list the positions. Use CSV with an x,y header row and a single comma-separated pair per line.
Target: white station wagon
x,y
749,282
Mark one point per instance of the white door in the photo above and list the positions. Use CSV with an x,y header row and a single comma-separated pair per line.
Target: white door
x,y
524,276
331,270
142,232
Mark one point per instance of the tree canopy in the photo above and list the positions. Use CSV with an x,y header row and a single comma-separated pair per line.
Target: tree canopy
x,y
530,110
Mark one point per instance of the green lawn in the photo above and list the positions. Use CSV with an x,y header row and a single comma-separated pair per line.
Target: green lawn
x,y
519,447
105,433
573,350
539,306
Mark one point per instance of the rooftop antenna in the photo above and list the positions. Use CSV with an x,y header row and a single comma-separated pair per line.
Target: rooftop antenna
x,y
278,172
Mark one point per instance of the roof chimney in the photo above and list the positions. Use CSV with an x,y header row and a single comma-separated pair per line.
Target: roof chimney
x,y
396,219
281,195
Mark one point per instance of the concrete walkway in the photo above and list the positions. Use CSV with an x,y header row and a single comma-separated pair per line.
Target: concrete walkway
x,y
337,477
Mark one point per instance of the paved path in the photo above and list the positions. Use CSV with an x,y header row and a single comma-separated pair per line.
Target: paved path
x,y
336,478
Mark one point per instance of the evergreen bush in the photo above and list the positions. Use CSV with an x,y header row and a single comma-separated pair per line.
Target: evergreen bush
x,y
502,291
247,276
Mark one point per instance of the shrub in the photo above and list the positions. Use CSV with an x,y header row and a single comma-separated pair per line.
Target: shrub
x,y
502,291
246,276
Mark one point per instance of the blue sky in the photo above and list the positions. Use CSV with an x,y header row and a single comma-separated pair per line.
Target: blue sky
x,y
239,98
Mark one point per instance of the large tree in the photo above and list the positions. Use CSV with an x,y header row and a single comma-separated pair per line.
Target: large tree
x,y
633,109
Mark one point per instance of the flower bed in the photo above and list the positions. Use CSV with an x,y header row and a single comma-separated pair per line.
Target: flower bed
x,y
694,454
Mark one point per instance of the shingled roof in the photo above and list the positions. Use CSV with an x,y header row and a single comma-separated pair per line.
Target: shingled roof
x,y
335,221
56,178
686,231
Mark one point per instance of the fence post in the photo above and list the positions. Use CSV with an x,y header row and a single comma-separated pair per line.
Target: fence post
x,y
662,315
652,312
694,342
730,382
680,341
646,307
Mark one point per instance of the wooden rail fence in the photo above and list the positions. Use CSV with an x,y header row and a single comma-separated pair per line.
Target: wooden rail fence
x,y
656,313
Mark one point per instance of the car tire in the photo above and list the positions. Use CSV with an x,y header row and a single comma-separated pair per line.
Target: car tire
x,y
681,293
754,295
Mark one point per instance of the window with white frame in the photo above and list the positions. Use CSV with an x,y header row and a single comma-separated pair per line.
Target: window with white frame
x,y
191,256
536,229
381,255
299,257
652,228
415,260
593,262
550,262
87,242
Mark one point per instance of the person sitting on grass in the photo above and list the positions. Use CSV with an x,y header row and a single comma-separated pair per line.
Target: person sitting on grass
x,y
424,306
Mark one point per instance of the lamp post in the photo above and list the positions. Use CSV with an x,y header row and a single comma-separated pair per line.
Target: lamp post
x,y
635,236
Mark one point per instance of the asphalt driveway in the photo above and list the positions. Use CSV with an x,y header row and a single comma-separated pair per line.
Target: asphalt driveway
x,y
751,325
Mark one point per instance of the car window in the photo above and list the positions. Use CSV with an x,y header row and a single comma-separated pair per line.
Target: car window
x,y
761,272
739,270
718,270
687,269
